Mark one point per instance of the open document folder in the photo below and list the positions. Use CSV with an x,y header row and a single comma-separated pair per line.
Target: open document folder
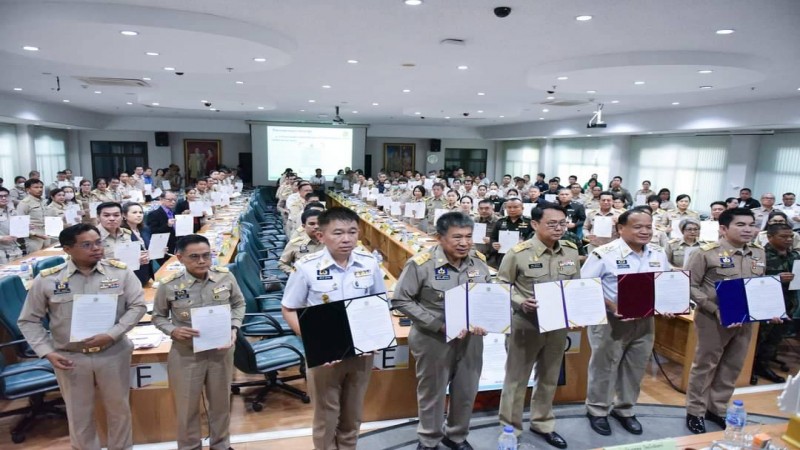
x,y
750,299
338,330
570,304
482,305
641,295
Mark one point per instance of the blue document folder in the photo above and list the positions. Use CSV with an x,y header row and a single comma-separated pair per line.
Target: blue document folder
x,y
732,301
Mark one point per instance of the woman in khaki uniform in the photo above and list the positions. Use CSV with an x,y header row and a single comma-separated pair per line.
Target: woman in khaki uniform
x,y
84,198
102,193
681,211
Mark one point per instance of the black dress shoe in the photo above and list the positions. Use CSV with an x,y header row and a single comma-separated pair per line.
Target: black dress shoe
x,y
631,424
781,364
552,438
695,424
717,419
766,372
753,379
599,424
456,446
422,447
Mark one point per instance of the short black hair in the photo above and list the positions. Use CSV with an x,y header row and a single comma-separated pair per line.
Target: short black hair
x,y
718,202
623,218
486,202
188,240
683,196
726,217
441,185
777,212
420,188
105,205
2,189
607,193
540,174
453,219
311,194
337,213
314,205
785,193
69,235
617,177
20,177
745,189
662,190
538,212
774,229
97,181
553,180
33,181
653,198
309,213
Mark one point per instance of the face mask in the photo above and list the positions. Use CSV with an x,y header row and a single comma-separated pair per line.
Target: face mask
x,y
492,193
69,195
402,186
21,186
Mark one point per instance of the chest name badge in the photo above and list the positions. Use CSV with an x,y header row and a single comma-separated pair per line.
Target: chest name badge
x,y
62,287
324,274
111,283
537,265
726,262
757,264
303,249
473,273
655,264
181,294
441,274
568,263
363,273
623,264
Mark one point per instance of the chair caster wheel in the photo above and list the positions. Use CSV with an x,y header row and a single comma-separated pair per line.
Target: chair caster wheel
x,y
306,399
17,438
257,407
235,390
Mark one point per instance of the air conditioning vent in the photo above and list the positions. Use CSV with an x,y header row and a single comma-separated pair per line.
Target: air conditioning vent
x,y
118,82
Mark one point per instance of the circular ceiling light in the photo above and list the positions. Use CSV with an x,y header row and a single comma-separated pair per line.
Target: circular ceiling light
x,y
615,101
375,104
481,93
152,53
260,107
312,101
170,69
638,83
706,87
30,48
260,59
463,67
65,101
146,78
155,104
354,112
705,71
412,2
726,31
128,103
583,18
17,89
352,61
551,98
326,86
562,78
98,92
240,82
591,91
406,91
676,103
129,33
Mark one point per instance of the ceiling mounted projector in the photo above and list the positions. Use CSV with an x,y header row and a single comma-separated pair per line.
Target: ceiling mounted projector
x,y
337,119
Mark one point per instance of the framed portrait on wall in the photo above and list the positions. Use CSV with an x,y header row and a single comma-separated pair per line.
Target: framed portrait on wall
x,y
201,156
398,157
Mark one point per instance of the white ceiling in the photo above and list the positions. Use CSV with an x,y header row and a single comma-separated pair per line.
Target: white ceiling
x,y
307,43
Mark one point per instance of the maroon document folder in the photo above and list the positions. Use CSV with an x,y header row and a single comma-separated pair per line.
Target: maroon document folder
x,y
636,295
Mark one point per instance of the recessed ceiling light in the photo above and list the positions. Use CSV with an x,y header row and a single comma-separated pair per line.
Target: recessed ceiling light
x,y
352,61
30,48
406,91
726,31
302,110
375,104
260,59
17,89
129,33
169,68
98,92
588,135
583,18
481,93
541,118
146,78
446,117
706,87
705,71
326,86
65,101
463,67
212,109
502,117
545,110
798,89
155,104
417,113
151,53
638,83
240,82
591,92
615,101
260,107
312,101
551,98
412,2
354,112
562,78
128,103
480,111
676,103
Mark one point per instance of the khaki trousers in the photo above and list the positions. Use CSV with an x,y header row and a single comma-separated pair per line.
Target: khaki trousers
x,y
718,359
189,375
620,351
439,364
107,373
526,348
337,394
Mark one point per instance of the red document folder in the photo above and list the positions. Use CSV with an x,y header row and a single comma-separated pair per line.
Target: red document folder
x,y
636,295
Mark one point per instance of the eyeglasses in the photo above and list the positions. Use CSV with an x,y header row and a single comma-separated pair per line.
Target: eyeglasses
x,y
691,230
4,196
89,245
199,257
556,225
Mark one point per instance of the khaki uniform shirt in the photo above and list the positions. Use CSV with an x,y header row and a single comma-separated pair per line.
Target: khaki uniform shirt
x,y
588,226
673,217
430,210
55,209
419,293
676,248
719,261
531,262
761,214
16,194
31,206
104,196
296,249
180,292
12,249
123,235
52,295
490,221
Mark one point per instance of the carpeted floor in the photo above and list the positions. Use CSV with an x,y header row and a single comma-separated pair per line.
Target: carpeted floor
x,y
658,421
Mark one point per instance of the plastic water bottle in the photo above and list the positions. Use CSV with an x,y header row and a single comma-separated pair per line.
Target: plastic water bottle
x,y
735,420
24,270
507,440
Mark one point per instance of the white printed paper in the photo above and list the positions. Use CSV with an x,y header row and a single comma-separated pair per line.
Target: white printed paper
x,y
795,283
71,214
156,193
709,231
93,209
676,230
197,208
148,189
184,225
166,185
92,314
550,310
53,226
507,240
370,324
584,302
415,210
214,325
136,196
19,226
764,298
641,199
490,307
527,208
672,292
129,253
396,209
455,311
551,198
356,188
158,245
478,232
603,226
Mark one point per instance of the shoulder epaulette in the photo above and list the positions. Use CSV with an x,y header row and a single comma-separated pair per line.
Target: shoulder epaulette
x,y
170,277
52,270
709,246
674,241
422,258
522,246
602,250
568,244
296,240
125,231
309,257
655,247
116,263
361,250
756,245
480,256
221,269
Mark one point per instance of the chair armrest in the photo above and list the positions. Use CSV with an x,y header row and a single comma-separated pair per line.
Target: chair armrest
x,y
268,319
281,345
21,370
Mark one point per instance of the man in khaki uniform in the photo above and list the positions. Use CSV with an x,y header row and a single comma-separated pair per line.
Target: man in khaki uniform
x,y
302,245
762,212
8,244
720,350
109,216
34,205
198,286
486,215
436,201
100,364
541,258
420,295
605,210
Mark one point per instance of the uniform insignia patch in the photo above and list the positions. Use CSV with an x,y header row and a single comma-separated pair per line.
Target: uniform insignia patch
x,y
181,294
535,266
441,274
726,262
62,287
623,264
324,274
110,283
